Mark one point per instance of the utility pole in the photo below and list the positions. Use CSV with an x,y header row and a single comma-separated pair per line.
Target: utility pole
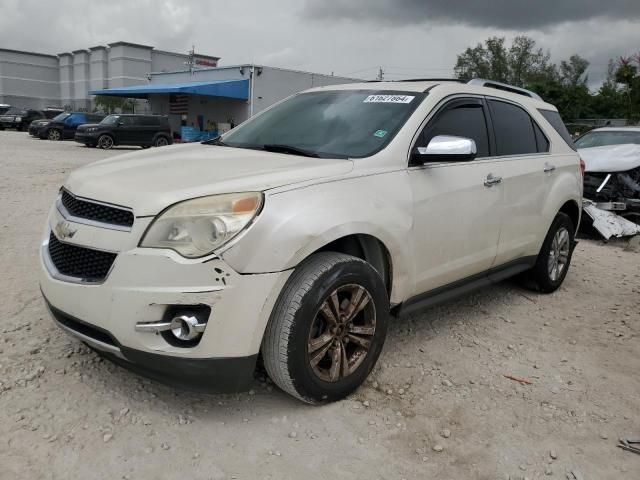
x,y
191,60
380,74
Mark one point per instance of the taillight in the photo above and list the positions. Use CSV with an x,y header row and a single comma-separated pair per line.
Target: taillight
x,y
583,167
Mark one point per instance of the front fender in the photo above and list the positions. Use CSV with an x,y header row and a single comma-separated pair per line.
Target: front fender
x,y
298,222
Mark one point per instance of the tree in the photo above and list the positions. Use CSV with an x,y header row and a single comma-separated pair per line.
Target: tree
x,y
572,73
111,104
517,65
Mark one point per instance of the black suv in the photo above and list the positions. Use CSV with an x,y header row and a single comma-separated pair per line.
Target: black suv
x,y
120,129
63,126
19,118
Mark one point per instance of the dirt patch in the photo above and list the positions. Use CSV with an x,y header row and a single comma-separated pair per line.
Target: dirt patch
x,y
437,406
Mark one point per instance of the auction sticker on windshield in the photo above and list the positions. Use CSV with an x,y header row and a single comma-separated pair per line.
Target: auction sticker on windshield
x,y
389,99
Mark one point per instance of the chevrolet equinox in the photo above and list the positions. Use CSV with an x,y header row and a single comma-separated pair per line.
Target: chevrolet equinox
x,y
298,235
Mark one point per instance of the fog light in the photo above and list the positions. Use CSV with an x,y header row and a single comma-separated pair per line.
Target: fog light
x,y
181,326
186,327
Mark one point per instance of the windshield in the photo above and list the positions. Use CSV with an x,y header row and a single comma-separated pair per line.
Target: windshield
x,y
110,120
339,123
607,137
16,111
60,117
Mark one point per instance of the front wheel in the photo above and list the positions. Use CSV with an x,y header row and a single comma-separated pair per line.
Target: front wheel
x,y
327,328
105,142
554,258
54,135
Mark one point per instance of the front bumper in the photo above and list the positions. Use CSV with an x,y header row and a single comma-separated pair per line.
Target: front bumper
x,y
84,137
141,286
211,375
11,124
34,131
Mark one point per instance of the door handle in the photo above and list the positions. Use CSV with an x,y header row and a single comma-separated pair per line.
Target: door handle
x,y
549,168
492,180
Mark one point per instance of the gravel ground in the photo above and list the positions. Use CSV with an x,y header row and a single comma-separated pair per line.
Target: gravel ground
x,y
437,406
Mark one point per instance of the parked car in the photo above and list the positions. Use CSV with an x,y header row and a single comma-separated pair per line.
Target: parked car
x,y
297,235
19,118
51,112
121,129
612,174
64,125
4,107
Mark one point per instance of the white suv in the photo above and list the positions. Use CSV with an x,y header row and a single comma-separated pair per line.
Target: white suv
x,y
298,235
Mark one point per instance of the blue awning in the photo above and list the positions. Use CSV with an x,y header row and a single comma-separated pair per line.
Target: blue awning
x,y
214,88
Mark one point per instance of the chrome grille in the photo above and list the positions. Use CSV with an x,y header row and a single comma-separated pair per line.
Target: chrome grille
x,y
96,212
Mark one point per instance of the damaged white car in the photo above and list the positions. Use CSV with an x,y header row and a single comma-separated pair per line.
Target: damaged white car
x,y
612,179
296,236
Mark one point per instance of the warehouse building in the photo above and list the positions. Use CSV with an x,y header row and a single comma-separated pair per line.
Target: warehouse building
x,y
38,80
206,102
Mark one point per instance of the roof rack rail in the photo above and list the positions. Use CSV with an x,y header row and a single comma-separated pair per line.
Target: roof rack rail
x,y
420,80
481,82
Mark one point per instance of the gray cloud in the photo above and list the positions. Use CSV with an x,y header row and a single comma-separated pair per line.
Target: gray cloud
x,y
284,34
508,14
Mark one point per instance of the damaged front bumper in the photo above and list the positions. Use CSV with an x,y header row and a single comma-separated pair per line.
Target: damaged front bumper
x,y
142,286
615,191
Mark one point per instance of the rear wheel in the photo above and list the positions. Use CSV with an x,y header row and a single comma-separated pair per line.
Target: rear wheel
x,y
54,135
105,142
554,258
161,142
327,328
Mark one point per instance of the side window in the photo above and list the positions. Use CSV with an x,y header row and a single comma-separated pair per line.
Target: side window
x,y
127,121
513,129
556,122
459,118
541,139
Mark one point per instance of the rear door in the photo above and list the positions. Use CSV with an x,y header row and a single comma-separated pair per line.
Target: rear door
x,y
456,215
522,152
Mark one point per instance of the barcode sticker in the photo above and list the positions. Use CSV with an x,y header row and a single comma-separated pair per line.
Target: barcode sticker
x,y
389,99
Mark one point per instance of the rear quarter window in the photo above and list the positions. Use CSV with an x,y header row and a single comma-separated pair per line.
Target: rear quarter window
x,y
556,122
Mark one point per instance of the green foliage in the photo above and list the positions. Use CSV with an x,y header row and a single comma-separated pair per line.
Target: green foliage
x,y
565,85
110,104
516,65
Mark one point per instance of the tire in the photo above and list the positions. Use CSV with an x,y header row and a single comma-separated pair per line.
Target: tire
x,y
300,331
105,142
161,141
543,275
55,135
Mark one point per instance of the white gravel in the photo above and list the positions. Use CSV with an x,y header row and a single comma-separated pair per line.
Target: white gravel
x,y
64,413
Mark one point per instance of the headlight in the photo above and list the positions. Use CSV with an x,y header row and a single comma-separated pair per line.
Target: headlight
x,y
195,228
92,129
18,119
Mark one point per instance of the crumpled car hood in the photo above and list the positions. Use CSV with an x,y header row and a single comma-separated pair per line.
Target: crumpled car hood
x,y
149,181
610,159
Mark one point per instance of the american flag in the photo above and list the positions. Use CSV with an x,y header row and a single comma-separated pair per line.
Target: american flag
x,y
178,103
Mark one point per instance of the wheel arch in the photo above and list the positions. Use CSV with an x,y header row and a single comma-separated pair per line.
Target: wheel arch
x,y
368,248
572,210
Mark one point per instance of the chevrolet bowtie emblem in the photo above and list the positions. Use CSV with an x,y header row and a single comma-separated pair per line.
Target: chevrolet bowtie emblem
x,y
64,230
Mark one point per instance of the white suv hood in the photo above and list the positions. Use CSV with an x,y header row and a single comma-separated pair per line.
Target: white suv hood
x,y
152,180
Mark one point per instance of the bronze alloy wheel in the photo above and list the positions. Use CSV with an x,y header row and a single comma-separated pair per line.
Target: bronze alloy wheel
x,y
341,333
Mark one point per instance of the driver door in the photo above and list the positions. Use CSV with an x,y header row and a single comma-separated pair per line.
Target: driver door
x,y
456,216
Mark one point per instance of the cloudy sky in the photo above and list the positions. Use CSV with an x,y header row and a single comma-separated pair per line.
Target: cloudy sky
x,y
408,38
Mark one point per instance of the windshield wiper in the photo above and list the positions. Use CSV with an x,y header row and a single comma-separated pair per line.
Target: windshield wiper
x,y
279,148
215,141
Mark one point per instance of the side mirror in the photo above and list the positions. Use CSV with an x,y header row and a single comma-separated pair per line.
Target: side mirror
x,y
120,124
446,148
